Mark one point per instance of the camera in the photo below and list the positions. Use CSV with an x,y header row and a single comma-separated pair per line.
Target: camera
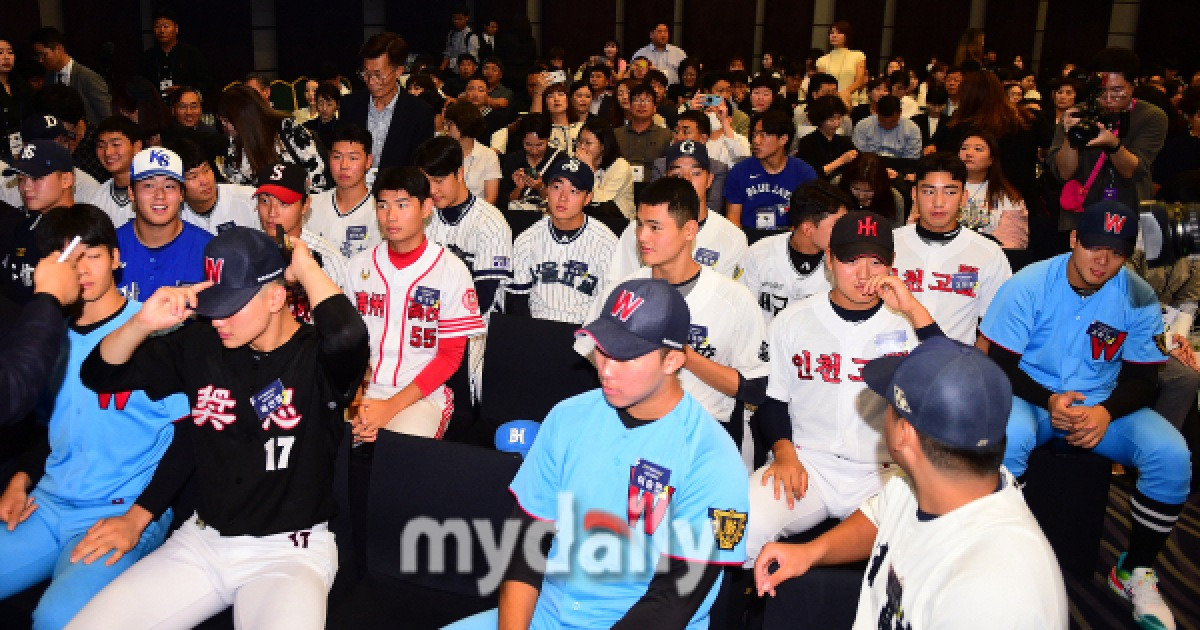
x,y
1169,231
710,100
556,77
1090,116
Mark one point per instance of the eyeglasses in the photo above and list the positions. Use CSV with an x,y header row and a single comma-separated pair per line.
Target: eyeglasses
x,y
643,101
1115,92
376,77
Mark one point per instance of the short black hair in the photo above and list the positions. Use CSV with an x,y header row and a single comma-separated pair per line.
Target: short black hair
x,y
765,80
466,57
942,162
642,88
60,101
164,11
122,125
439,156
59,226
189,152
656,75
824,108
601,68
775,122
495,61
465,115
351,132
703,124
711,78
683,204
410,179
385,43
48,37
536,123
815,200
329,90
817,80
176,94
888,106
953,460
937,95
793,69
1116,59
898,77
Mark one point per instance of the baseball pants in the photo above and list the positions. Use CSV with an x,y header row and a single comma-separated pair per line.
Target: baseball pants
x,y
1142,439
425,418
277,581
40,549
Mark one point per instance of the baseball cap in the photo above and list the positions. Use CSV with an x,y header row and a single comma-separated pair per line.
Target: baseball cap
x,y
156,161
688,148
516,436
40,127
39,158
239,262
1108,224
579,174
285,181
640,316
859,234
947,390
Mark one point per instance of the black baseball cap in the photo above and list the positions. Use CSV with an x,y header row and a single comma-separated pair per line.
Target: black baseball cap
x,y
573,170
39,158
285,181
239,262
859,234
688,148
1109,224
639,317
42,126
947,390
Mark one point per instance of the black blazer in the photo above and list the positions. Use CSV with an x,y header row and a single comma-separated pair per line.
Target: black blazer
x,y
412,124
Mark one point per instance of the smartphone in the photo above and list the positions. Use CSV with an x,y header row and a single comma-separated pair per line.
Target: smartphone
x,y
556,77
710,100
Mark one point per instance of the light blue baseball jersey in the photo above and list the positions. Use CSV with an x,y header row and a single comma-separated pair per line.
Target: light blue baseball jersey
x,y
675,486
104,446
144,270
1073,343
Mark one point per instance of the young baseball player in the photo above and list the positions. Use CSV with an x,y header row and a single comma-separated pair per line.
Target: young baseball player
x,y
626,456
420,309
784,268
719,243
560,263
267,394
117,140
945,538
283,202
1081,339
345,215
44,171
726,351
954,272
824,428
102,446
157,247
208,205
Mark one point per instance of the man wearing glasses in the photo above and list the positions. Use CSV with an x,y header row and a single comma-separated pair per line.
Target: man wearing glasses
x,y
398,121
1127,147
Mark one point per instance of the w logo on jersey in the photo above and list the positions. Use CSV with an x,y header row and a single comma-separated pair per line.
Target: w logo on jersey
x,y
120,399
1106,340
626,305
1114,223
213,268
649,494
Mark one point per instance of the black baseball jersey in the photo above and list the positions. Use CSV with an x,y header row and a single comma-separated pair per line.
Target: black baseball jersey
x,y
264,427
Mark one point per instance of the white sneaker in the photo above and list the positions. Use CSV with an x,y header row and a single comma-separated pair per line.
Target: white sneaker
x,y
1140,586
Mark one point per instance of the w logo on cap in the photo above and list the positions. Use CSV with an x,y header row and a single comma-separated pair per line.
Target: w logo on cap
x,y
213,268
1114,223
687,147
868,227
627,303
571,165
160,158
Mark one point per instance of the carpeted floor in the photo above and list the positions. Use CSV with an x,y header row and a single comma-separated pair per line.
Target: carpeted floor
x,y
1095,606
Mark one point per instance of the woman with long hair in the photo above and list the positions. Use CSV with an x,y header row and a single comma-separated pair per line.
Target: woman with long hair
x,y
849,67
581,100
689,82
597,147
865,179
993,206
481,166
259,136
522,169
612,56
14,97
554,100
970,47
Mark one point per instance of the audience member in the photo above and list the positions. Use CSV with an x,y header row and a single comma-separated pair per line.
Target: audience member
x,y
598,148
481,167
825,149
887,133
170,62
523,171
345,215
848,67
992,206
460,40
664,56
45,176
758,190
49,49
865,180
328,99
118,139
398,121
259,135
640,140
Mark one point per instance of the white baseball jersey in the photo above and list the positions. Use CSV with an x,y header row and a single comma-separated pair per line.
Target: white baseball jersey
x,y
118,205
949,571
772,277
481,238
562,279
352,231
956,280
727,327
720,245
235,205
409,310
816,368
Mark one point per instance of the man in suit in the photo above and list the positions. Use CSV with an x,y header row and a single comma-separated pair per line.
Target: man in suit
x,y
49,50
398,121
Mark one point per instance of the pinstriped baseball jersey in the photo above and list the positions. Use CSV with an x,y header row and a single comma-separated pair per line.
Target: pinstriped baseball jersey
x,y
235,205
351,230
117,205
481,238
768,271
956,281
408,311
720,245
562,279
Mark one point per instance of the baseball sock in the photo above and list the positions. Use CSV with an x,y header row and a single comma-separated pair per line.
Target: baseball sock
x,y
1152,524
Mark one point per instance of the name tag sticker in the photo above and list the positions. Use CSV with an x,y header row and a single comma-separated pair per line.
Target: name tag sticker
x,y
706,256
639,173
891,342
14,143
268,400
1103,332
650,477
165,85
764,219
356,232
964,281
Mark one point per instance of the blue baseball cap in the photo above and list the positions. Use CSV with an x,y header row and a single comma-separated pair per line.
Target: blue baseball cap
x,y
39,158
239,262
573,170
947,390
640,316
1109,224
156,161
691,149
516,436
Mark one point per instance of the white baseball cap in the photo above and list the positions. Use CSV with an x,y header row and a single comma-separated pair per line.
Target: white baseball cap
x,y
156,161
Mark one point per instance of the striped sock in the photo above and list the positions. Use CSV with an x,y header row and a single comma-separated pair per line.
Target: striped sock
x,y
1152,524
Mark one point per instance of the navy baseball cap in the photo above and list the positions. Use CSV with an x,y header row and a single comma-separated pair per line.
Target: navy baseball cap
x,y
573,170
239,262
947,390
1109,224
39,158
40,127
688,148
516,436
640,316
859,234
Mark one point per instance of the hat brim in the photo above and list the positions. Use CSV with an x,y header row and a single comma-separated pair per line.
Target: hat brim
x,y
286,195
878,374
137,177
1110,241
584,186
219,302
616,341
35,173
847,252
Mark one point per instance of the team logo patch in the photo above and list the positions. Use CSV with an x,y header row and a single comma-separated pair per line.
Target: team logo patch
x,y
650,491
1114,223
868,227
577,268
697,336
471,300
687,147
571,165
901,399
706,256
1106,340
729,526
28,152
427,296
365,273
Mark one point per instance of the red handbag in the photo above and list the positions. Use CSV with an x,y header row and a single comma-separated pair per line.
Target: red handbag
x,y
1074,193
